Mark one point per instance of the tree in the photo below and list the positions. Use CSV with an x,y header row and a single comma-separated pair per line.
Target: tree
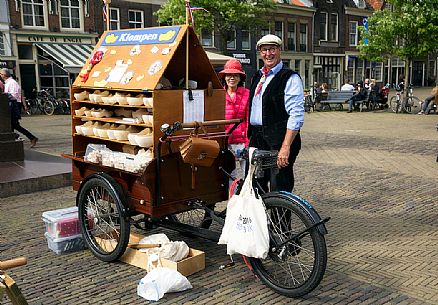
x,y
408,30
222,15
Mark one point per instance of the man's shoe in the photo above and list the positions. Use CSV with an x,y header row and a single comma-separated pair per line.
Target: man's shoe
x,y
349,111
33,142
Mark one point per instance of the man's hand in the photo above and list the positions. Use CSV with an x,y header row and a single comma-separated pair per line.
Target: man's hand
x,y
283,156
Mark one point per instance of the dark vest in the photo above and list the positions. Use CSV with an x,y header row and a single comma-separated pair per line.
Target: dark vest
x,y
274,115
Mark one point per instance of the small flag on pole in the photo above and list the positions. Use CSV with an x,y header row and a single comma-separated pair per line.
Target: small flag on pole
x,y
365,26
105,17
190,10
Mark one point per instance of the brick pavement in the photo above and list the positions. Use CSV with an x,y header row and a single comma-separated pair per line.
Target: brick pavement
x,y
373,173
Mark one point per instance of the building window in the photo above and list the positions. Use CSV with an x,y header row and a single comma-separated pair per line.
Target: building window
x,y
353,33
2,44
297,65
207,38
378,71
70,14
264,32
135,19
279,29
334,27
114,19
246,39
323,27
303,37
231,39
54,78
361,4
291,36
33,13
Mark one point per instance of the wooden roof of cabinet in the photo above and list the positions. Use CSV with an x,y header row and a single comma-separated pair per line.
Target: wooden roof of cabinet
x,y
163,45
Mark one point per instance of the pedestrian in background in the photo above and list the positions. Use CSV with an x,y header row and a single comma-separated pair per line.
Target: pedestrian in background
x,y
12,88
428,101
236,107
347,86
361,94
276,112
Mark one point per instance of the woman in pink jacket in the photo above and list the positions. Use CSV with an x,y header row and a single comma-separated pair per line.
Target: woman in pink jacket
x,y
236,107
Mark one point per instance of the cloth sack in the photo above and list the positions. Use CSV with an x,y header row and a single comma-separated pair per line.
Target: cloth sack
x,y
246,224
199,151
161,280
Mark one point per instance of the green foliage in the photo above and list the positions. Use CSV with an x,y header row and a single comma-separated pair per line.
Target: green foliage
x,y
409,30
222,14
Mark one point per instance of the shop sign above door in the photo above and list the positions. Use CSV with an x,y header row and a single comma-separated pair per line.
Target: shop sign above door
x,y
57,39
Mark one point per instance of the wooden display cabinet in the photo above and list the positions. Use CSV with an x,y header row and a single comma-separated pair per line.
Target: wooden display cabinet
x,y
134,62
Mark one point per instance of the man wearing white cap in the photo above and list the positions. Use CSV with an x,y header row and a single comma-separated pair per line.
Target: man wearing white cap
x,y
276,112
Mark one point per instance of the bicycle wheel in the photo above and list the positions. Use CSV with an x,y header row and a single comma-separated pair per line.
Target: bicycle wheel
x,y
298,266
395,104
412,105
48,107
104,225
195,217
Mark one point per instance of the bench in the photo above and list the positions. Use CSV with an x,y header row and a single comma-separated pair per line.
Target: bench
x,y
338,98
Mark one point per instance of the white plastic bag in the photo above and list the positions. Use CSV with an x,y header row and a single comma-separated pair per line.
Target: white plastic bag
x,y
161,280
246,224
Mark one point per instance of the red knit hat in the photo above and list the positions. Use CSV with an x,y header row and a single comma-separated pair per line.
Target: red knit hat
x,y
232,66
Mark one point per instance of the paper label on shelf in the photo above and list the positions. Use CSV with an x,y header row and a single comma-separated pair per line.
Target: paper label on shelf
x,y
193,109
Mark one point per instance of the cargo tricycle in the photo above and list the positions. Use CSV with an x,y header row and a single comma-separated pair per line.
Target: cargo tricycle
x,y
126,76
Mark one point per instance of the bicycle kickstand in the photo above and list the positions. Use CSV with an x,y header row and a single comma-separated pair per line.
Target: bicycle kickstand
x,y
230,264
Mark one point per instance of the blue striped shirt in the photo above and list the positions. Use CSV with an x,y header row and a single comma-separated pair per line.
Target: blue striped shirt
x,y
293,100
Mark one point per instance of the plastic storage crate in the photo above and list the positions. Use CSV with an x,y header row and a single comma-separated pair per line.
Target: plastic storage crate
x,y
65,244
61,223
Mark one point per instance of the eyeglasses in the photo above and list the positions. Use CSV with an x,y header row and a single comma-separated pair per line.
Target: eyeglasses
x,y
270,49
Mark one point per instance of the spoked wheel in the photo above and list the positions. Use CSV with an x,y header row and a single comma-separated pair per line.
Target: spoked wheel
x,y
296,267
48,107
102,216
338,107
412,105
395,105
196,218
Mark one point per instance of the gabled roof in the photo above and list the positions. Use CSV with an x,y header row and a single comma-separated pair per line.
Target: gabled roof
x,y
302,3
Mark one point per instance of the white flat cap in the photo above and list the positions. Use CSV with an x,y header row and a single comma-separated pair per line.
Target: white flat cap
x,y
269,39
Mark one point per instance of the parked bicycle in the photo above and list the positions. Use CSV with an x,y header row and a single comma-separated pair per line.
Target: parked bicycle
x,y
309,106
43,103
408,104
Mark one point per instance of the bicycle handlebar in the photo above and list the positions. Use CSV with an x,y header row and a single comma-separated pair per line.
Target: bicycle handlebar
x,y
12,263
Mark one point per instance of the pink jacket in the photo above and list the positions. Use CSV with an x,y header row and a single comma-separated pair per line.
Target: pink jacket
x,y
235,109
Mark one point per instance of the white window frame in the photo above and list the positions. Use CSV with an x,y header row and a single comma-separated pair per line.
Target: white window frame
x,y
45,14
202,39
81,19
336,31
136,22
351,34
361,4
116,21
294,36
325,37
231,44
246,33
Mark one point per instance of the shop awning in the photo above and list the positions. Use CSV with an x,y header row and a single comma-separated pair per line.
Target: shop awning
x,y
217,59
72,57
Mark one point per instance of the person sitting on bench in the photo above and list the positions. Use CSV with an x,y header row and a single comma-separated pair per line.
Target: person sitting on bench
x,y
360,95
